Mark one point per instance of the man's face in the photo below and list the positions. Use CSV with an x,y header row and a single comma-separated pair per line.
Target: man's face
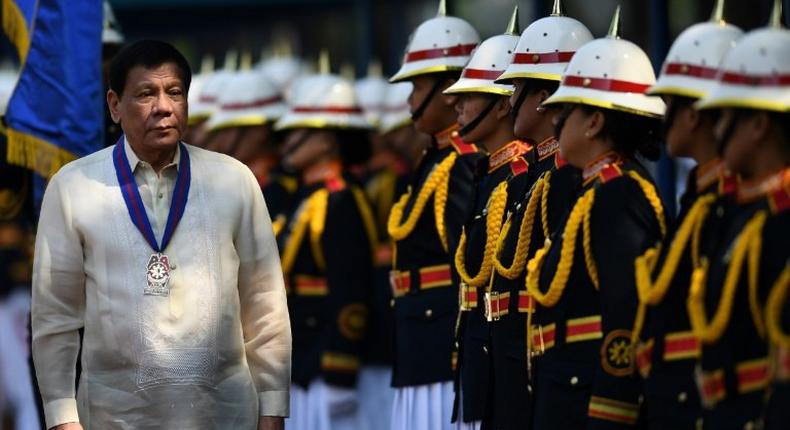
x,y
432,118
469,107
152,110
528,119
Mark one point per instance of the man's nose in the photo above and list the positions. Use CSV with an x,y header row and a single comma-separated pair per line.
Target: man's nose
x,y
163,105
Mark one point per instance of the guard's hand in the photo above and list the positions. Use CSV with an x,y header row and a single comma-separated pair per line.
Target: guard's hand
x,y
67,426
271,423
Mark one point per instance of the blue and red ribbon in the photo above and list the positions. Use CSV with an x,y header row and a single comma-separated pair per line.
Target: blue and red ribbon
x,y
134,204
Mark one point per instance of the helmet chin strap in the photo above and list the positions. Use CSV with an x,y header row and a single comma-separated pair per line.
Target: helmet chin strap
x,y
427,100
519,101
479,118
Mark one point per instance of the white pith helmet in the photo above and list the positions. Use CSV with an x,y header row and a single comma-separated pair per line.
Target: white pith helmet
x,y
396,112
371,92
546,47
207,95
111,31
693,61
488,61
323,101
610,73
441,44
755,74
249,99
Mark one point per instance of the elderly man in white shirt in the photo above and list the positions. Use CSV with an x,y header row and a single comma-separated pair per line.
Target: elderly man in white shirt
x,y
164,254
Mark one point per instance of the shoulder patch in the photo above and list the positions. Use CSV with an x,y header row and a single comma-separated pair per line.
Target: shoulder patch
x,y
617,353
352,321
461,146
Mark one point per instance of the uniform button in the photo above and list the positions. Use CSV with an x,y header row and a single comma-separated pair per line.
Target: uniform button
x,y
428,313
574,380
392,303
682,397
485,349
529,387
457,345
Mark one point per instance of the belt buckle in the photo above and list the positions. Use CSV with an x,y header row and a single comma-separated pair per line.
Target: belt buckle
x,y
541,348
395,283
462,297
489,299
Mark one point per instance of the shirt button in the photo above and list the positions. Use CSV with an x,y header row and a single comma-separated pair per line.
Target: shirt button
x,y
173,266
160,195
428,313
682,397
574,380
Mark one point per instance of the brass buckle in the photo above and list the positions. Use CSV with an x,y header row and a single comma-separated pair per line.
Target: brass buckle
x,y
489,299
542,347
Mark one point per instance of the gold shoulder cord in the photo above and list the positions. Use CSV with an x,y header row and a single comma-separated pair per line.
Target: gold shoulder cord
x,y
436,184
367,219
777,299
747,245
496,210
580,216
517,266
651,294
312,215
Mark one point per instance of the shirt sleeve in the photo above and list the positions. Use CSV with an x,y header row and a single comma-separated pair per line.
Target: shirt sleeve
x,y
264,309
58,305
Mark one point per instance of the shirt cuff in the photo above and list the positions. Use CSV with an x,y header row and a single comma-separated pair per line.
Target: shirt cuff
x,y
274,404
61,411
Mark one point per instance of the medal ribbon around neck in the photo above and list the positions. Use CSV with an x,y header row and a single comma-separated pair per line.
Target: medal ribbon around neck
x,y
131,195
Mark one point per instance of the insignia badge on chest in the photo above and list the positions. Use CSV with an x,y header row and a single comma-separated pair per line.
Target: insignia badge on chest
x,y
158,276
616,353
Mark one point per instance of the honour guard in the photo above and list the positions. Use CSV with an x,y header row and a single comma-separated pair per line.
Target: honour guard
x,y
384,181
586,296
397,129
425,224
748,262
536,69
326,251
500,180
668,350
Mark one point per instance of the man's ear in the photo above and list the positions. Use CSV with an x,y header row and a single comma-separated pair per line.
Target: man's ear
x,y
594,124
113,102
502,108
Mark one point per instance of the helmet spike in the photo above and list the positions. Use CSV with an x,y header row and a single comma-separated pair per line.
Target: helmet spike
x,y
245,61
207,64
614,27
324,66
556,10
231,59
513,27
776,15
717,17
442,8
347,71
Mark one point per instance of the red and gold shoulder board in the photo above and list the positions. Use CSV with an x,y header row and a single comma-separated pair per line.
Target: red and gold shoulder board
x,y
462,147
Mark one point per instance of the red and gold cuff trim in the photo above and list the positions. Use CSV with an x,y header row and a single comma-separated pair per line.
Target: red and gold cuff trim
x,y
339,362
310,286
430,277
613,410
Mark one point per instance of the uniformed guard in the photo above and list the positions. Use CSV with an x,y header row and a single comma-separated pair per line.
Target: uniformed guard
x,y
748,261
586,294
425,225
384,179
397,128
668,350
326,252
536,69
500,180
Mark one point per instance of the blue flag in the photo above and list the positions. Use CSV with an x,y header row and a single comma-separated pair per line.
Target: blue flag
x,y
56,111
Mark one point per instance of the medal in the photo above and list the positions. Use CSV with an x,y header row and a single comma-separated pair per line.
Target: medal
x,y
157,269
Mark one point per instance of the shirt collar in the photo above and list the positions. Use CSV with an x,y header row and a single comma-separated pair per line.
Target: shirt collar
x,y
134,160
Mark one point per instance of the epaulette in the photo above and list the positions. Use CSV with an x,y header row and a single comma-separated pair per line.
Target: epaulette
x,y
463,148
334,184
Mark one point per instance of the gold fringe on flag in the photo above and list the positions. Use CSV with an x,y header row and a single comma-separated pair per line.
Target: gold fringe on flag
x,y
36,154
